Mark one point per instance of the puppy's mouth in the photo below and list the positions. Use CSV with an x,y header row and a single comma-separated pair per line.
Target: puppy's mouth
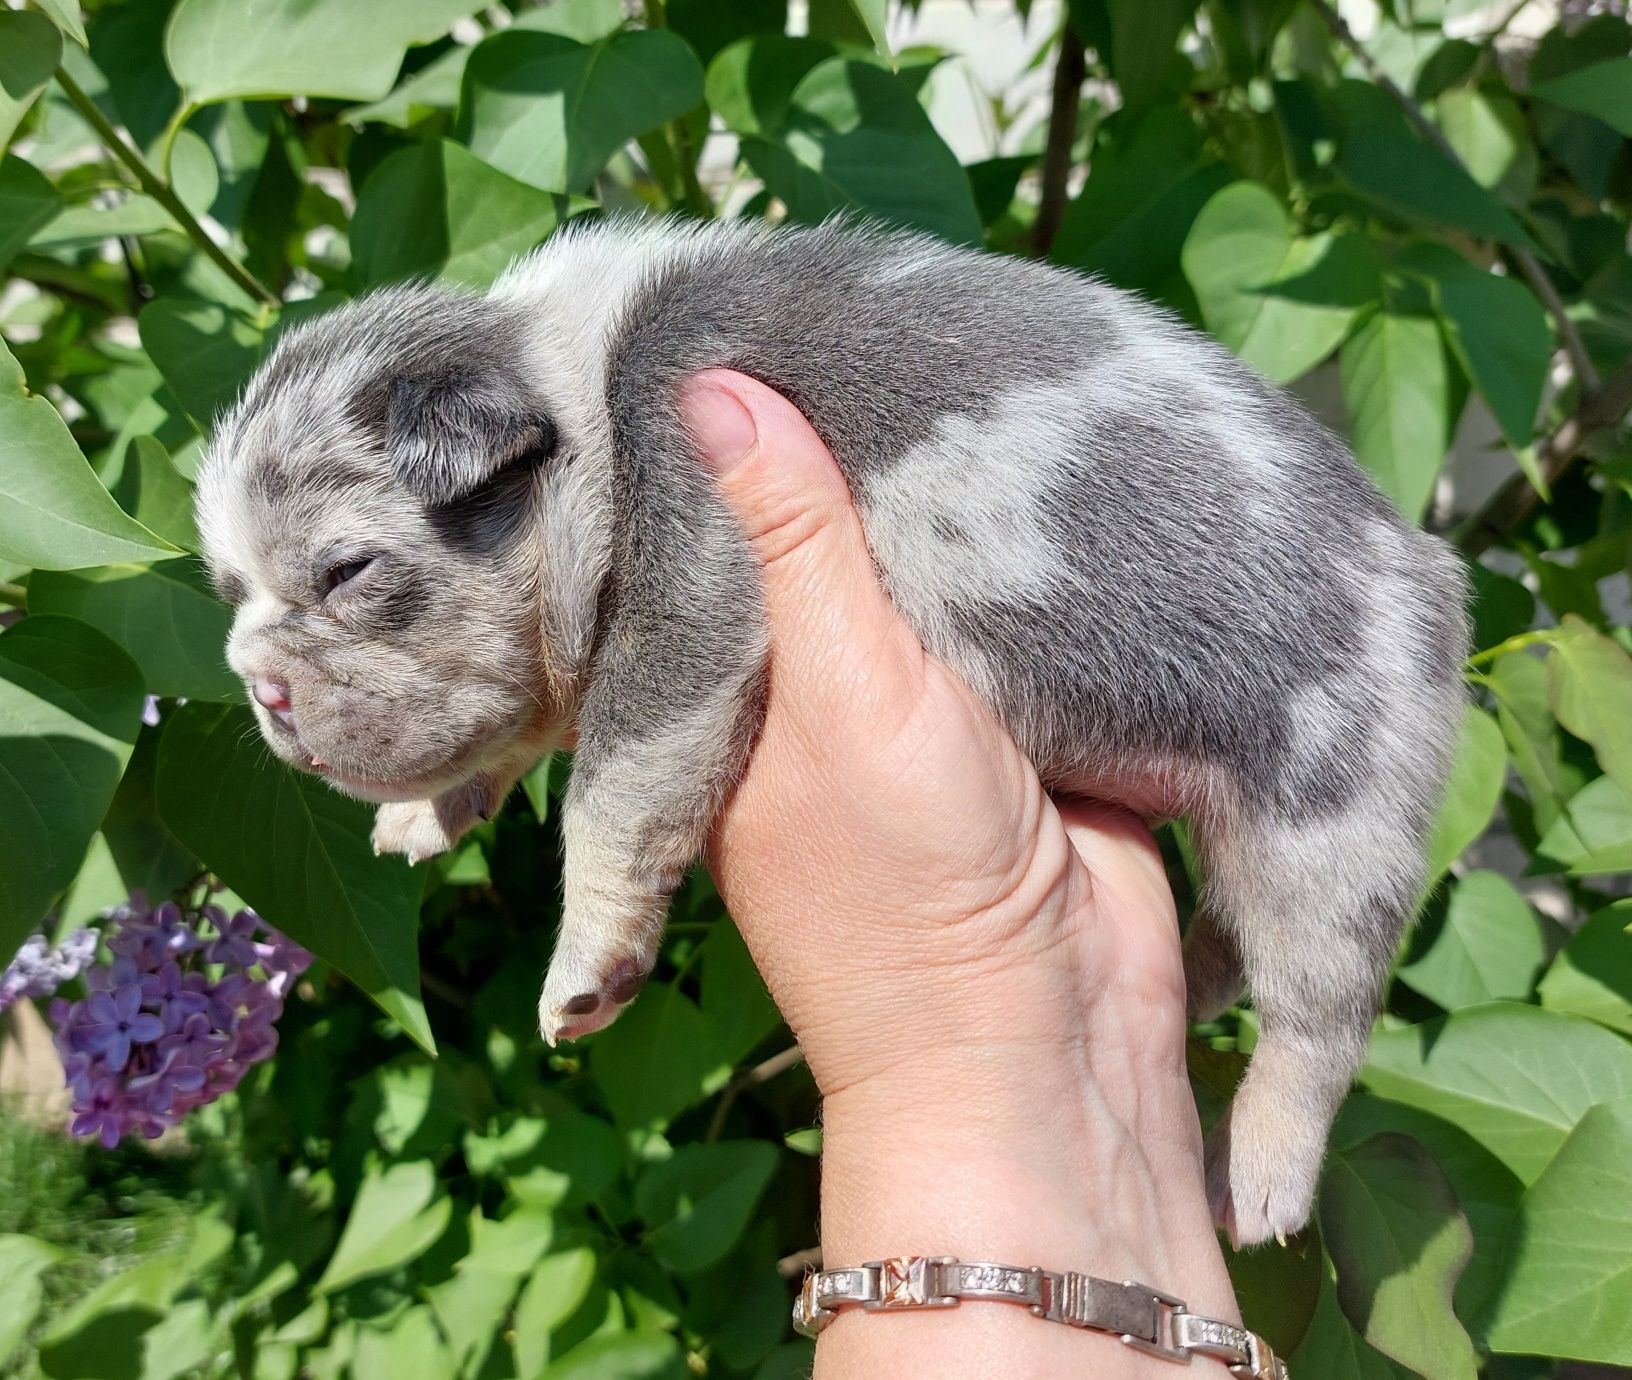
x,y
294,750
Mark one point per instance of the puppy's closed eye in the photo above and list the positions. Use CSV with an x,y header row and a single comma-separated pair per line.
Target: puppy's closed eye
x,y
342,573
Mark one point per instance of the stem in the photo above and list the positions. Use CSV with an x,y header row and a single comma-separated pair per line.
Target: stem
x,y
184,113
750,1078
15,595
1517,643
1069,71
1599,408
157,188
1534,273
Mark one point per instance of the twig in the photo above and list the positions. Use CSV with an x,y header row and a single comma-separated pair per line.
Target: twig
x,y
1069,71
1601,407
792,1266
1534,274
15,595
750,1078
157,188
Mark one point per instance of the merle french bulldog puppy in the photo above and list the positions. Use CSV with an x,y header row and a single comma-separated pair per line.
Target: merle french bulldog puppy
x,y
459,530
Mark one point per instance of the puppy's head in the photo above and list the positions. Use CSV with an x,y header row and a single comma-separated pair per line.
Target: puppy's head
x,y
366,509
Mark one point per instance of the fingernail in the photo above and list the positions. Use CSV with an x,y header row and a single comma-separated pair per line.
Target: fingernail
x,y
720,425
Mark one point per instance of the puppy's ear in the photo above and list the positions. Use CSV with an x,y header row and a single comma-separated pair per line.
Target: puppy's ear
x,y
450,433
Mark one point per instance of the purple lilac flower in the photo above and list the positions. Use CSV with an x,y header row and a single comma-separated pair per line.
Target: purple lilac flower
x,y
188,1003
38,969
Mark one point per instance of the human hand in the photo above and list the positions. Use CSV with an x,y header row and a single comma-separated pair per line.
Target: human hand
x,y
986,983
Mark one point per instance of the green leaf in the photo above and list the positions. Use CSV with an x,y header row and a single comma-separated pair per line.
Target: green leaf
x,y
698,1202
393,1220
1490,946
1399,1242
102,1334
143,853
334,48
1397,390
1602,90
412,1345
651,1064
1142,197
1243,243
1515,1078
152,491
874,15
165,616
205,351
22,1261
54,512
1502,337
555,1289
1593,835
750,85
622,1356
27,201
65,15
738,1010
1474,789
1533,736
1418,183
472,1309
855,137
551,112
1592,975
1569,1285
297,851
435,210
30,49
1590,678
71,705
1333,1350
1144,42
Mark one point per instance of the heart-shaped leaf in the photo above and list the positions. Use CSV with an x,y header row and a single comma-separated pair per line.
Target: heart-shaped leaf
x,y
1592,975
165,616
551,111
71,706
297,851
54,512
30,49
395,1218
1397,389
435,209
698,1201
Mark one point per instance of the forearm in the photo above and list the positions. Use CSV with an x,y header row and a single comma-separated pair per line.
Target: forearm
x,y
1007,1153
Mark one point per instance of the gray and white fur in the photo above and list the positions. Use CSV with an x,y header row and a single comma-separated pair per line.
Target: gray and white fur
x,y
462,530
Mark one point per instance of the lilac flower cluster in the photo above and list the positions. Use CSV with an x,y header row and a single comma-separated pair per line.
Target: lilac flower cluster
x,y
38,970
188,1004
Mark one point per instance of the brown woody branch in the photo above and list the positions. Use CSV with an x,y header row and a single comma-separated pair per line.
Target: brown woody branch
x,y
1069,73
1600,408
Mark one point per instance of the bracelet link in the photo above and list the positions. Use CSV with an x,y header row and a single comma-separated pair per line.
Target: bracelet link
x,y
1164,1338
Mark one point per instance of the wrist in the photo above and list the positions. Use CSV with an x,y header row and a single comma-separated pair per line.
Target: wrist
x,y
1022,1156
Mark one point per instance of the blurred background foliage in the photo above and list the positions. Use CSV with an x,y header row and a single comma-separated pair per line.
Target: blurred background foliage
x,y
1413,211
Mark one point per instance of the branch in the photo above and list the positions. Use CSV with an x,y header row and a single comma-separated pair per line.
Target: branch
x,y
750,1078
1599,408
1529,265
1069,73
157,188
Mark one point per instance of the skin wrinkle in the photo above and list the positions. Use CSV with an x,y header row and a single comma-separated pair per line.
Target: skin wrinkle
x,y
1154,573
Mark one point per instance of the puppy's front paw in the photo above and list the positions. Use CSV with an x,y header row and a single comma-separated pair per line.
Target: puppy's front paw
x,y
412,828
1262,1169
589,982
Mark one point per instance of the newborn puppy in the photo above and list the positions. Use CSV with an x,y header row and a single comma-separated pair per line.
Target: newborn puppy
x,y
460,530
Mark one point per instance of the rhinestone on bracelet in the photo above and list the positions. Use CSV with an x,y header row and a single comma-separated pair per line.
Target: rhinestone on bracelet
x,y
1138,1315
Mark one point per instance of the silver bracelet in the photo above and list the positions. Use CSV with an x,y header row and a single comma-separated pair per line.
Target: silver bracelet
x,y
1141,1317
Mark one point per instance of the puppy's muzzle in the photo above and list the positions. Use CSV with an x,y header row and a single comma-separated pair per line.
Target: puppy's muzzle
x,y
273,696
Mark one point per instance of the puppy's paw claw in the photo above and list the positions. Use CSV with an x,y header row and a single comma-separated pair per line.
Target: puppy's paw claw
x,y
584,1012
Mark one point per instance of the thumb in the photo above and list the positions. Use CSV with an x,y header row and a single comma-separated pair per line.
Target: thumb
x,y
786,490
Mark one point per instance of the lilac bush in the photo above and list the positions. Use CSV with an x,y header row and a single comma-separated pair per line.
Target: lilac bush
x,y
187,1004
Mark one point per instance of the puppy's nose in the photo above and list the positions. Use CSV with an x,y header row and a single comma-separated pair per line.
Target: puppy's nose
x,y
273,696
